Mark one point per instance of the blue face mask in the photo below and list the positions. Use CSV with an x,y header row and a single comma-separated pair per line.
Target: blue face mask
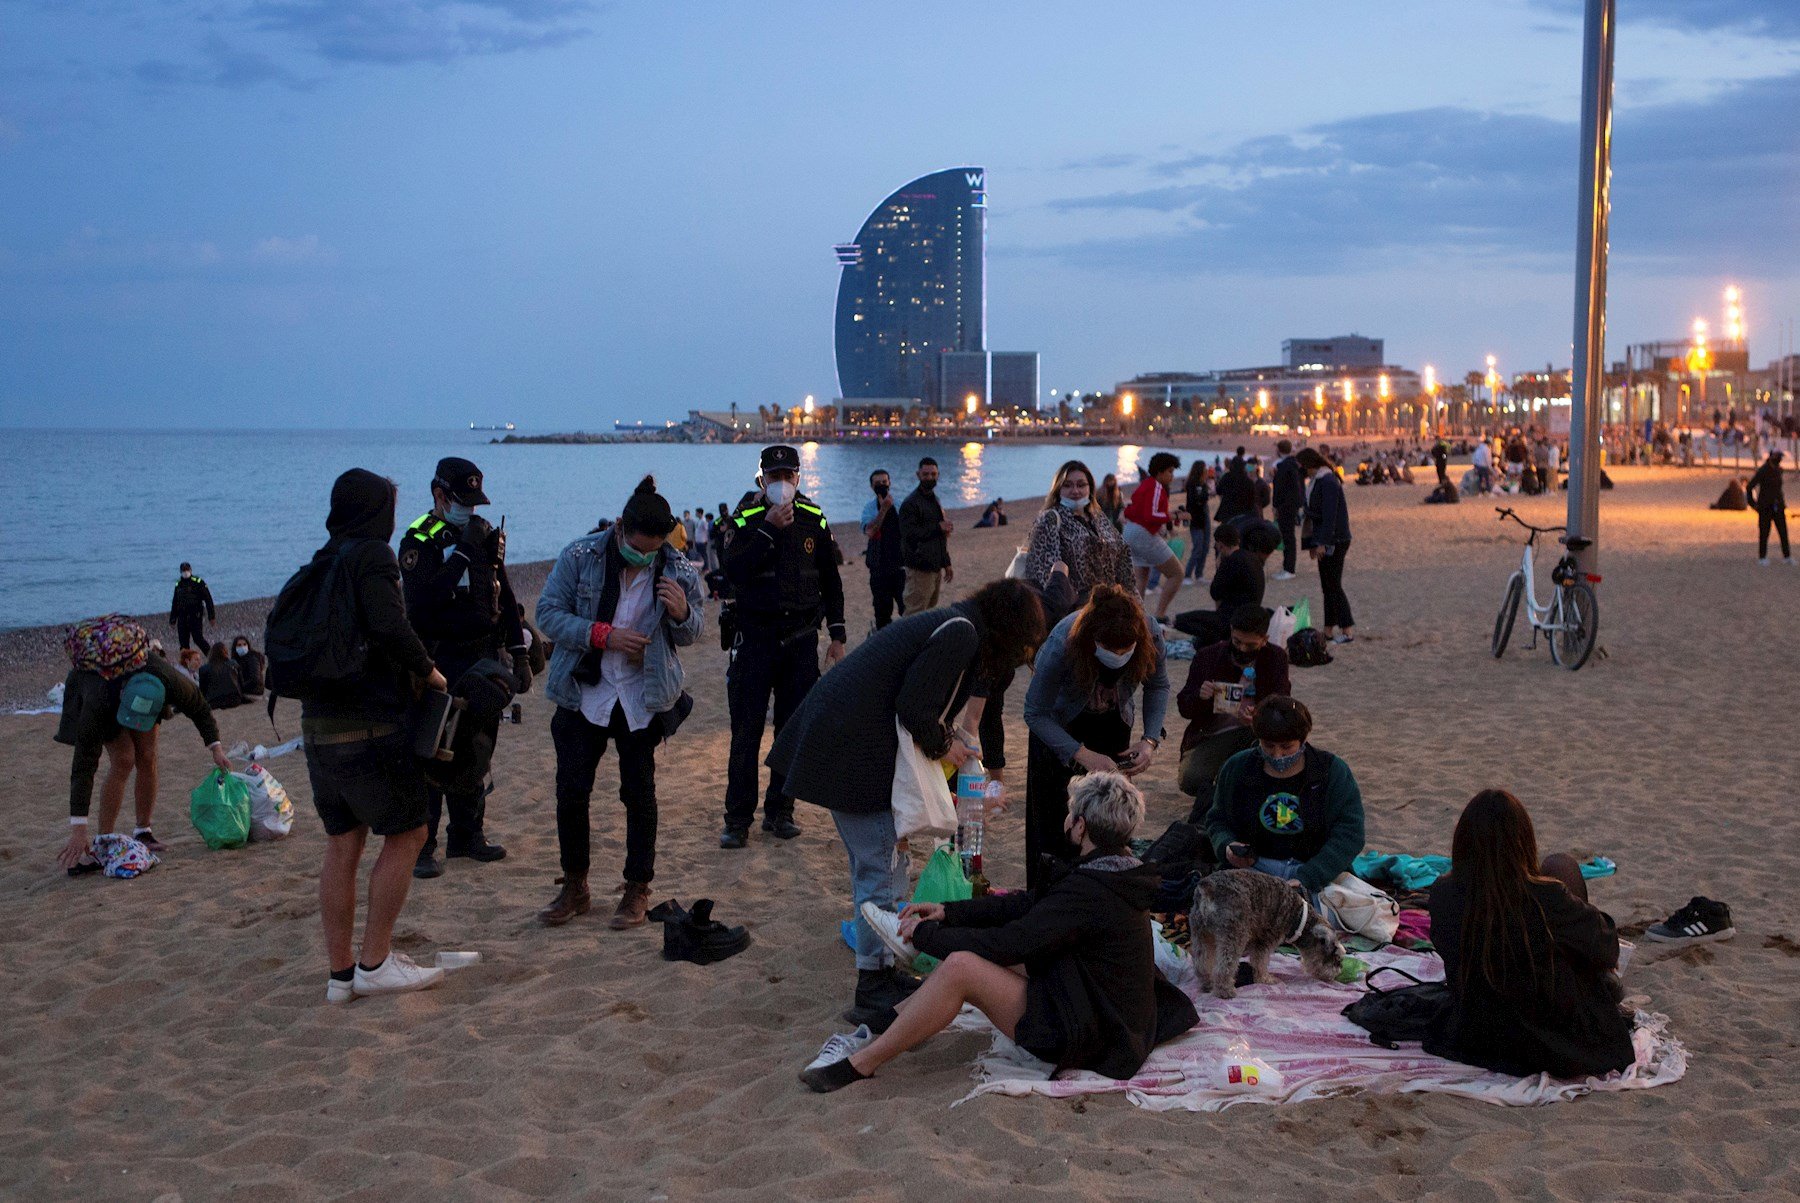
x,y
1069,504
458,514
634,557
1280,764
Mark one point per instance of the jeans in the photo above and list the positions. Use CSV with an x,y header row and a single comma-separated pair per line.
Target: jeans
x,y
1289,522
1286,870
1202,546
579,747
887,587
763,663
1331,582
1766,519
877,874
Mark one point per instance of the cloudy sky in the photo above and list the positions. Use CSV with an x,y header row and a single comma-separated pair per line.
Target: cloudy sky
x,y
423,212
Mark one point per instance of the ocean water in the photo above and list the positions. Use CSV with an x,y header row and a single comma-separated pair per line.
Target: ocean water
x,y
99,521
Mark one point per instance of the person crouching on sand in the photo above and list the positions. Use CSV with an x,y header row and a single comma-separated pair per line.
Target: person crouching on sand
x,y
1069,971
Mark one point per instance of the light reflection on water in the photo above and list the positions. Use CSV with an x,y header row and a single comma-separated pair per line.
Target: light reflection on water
x,y
968,491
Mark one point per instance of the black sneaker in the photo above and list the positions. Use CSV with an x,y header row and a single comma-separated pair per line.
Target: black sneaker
x,y
427,867
1701,921
782,828
734,837
477,849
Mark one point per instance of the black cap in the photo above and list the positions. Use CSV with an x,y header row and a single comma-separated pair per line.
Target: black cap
x,y
461,479
780,456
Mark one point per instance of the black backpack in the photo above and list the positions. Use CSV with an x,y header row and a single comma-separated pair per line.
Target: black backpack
x,y
314,639
1306,649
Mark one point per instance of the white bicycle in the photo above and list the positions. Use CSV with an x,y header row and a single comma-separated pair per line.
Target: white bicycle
x,y
1571,620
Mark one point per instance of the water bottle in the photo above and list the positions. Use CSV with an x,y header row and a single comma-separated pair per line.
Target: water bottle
x,y
971,811
1250,686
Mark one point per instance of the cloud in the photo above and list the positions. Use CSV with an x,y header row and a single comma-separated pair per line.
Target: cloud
x,y
409,31
1690,180
224,65
1779,18
276,249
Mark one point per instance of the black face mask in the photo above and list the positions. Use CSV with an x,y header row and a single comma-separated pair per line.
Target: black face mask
x,y
928,485
1241,658
881,490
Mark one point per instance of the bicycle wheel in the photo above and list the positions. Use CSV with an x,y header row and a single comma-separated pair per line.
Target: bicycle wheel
x,y
1509,611
1577,625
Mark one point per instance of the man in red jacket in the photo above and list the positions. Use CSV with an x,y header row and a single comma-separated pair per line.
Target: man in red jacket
x,y
1145,519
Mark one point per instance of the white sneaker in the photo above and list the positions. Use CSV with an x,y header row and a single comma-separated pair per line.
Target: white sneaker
x,y
339,992
396,975
844,1044
1763,563
1282,576
886,925
1788,560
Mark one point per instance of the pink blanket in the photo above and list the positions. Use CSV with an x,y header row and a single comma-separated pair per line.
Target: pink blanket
x,y
1295,1026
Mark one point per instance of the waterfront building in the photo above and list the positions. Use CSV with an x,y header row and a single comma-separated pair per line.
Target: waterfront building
x,y
1347,368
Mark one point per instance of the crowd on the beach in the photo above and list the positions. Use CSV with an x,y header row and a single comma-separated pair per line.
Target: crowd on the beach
x,y
406,662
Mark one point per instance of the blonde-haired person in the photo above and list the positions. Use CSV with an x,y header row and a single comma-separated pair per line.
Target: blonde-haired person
x,y
1073,530
1069,971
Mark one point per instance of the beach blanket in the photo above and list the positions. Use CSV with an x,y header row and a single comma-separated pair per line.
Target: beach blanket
x,y
1418,872
1296,1027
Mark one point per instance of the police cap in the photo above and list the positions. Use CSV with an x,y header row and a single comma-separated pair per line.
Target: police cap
x,y
780,456
461,479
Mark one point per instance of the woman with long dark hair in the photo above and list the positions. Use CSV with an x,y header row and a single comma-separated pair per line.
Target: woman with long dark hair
x,y
1528,959
1073,530
1096,670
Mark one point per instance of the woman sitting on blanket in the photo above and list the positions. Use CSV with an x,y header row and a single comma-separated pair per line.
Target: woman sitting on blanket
x,y
1068,971
1528,959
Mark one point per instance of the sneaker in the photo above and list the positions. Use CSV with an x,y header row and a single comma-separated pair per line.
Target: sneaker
x,y
886,925
477,849
1763,563
148,839
396,975
1282,576
734,837
1701,921
844,1044
1340,637
782,828
339,992
427,867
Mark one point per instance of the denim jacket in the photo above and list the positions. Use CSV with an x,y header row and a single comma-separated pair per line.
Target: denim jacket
x,y
1055,697
567,609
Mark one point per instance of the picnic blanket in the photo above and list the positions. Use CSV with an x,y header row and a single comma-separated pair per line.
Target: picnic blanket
x,y
1398,870
1296,1027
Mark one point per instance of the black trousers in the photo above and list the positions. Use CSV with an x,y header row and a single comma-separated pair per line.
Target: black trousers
x,y
888,587
579,747
1289,522
763,664
468,811
1047,790
192,626
1331,582
1766,519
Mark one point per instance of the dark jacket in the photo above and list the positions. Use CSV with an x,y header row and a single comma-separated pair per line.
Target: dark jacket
x,y
1327,514
1236,491
250,668
89,719
1214,663
458,596
1093,997
1238,582
1322,824
191,599
784,580
1564,1017
924,547
838,749
1289,487
220,684
1763,490
1199,496
361,522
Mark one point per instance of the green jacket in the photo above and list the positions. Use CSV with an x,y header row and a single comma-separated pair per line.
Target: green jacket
x,y
1325,788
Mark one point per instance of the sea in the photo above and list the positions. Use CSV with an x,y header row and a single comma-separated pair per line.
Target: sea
x,y
99,521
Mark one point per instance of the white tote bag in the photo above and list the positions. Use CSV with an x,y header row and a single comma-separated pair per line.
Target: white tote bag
x,y
921,797
1355,906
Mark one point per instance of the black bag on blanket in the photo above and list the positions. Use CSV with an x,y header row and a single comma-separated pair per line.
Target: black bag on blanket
x,y
1399,1013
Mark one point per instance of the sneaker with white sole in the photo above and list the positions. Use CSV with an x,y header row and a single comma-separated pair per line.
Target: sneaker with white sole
x,y
1701,921
396,975
1283,575
844,1044
886,925
339,992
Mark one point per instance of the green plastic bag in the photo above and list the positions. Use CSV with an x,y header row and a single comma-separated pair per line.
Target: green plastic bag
x,y
220,809
942,881
1302,614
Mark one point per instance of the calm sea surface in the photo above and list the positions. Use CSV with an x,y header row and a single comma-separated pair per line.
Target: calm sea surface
x,y
101,521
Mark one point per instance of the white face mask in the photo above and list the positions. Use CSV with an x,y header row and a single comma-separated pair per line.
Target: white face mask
x,y
780,492
1111,659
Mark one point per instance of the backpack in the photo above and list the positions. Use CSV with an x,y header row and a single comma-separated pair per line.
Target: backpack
x,y
1306,649
314,638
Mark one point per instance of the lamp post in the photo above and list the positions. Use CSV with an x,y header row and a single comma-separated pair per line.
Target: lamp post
x,y
1127,405
1431,399
1349,405
1493,387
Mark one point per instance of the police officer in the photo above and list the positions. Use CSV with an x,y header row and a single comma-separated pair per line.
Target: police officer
x,y
458,598
190,608
783,569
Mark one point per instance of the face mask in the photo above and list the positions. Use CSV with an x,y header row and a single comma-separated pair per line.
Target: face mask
x,y
458,514
1240,657
780,492
1280,764
928,485
634,557
1073,504
242,651
1114,660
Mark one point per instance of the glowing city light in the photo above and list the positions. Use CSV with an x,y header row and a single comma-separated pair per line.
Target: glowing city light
x,y
970,403
1382,386
807,405
1734,313
1262,398
1127,403
1318,396
1349,392
1430,380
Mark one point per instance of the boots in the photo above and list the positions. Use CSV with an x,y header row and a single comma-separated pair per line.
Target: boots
x,y
573,900
877,992
632,906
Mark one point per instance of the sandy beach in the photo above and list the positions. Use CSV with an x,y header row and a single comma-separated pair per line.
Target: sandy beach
x,y
168,1036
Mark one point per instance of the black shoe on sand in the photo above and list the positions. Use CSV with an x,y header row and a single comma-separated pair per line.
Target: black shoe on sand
x,y
1701,921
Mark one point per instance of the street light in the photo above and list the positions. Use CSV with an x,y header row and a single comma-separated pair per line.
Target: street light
x,y
1262,399
807,405
969,404
1493,385
1127,403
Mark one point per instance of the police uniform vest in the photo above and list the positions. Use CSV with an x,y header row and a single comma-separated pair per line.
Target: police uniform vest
x,y
476,590
786,591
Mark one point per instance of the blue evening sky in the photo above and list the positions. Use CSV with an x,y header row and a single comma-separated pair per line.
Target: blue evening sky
x,y
561,212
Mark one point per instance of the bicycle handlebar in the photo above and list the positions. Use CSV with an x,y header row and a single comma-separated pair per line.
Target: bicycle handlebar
x,y
1536,530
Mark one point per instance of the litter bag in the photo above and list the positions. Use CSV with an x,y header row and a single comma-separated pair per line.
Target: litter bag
x,y
220,810
271,813
942,881
923,805
1302,614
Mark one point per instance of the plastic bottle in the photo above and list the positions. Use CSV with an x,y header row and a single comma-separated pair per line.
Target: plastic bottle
x,y
1240,1070
971,811
1250,686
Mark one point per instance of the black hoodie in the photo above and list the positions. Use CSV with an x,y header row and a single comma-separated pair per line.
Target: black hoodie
x,y
1093,996
361,523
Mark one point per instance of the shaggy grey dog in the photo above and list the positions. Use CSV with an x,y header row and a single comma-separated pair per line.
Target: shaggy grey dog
x,y
1239,913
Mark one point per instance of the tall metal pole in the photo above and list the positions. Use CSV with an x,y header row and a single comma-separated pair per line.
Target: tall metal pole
x,y
1590,279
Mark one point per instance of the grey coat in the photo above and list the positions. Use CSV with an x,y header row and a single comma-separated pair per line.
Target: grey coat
x,y
838,749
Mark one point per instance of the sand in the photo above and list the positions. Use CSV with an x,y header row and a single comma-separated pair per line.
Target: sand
x,y
167,1037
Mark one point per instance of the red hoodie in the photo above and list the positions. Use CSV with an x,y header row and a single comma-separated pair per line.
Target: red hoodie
x,y
1149,506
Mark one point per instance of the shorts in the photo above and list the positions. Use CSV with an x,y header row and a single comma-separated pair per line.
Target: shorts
x,y
373,783
1147,550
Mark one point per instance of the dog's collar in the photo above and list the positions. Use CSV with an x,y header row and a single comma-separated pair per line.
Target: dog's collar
x,y
1305,913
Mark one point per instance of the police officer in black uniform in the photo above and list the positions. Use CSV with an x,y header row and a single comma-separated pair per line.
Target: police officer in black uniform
x,y
783,569
190,608
458,598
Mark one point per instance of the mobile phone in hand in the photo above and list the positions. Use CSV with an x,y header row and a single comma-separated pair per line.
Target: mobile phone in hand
x,y
1242,851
